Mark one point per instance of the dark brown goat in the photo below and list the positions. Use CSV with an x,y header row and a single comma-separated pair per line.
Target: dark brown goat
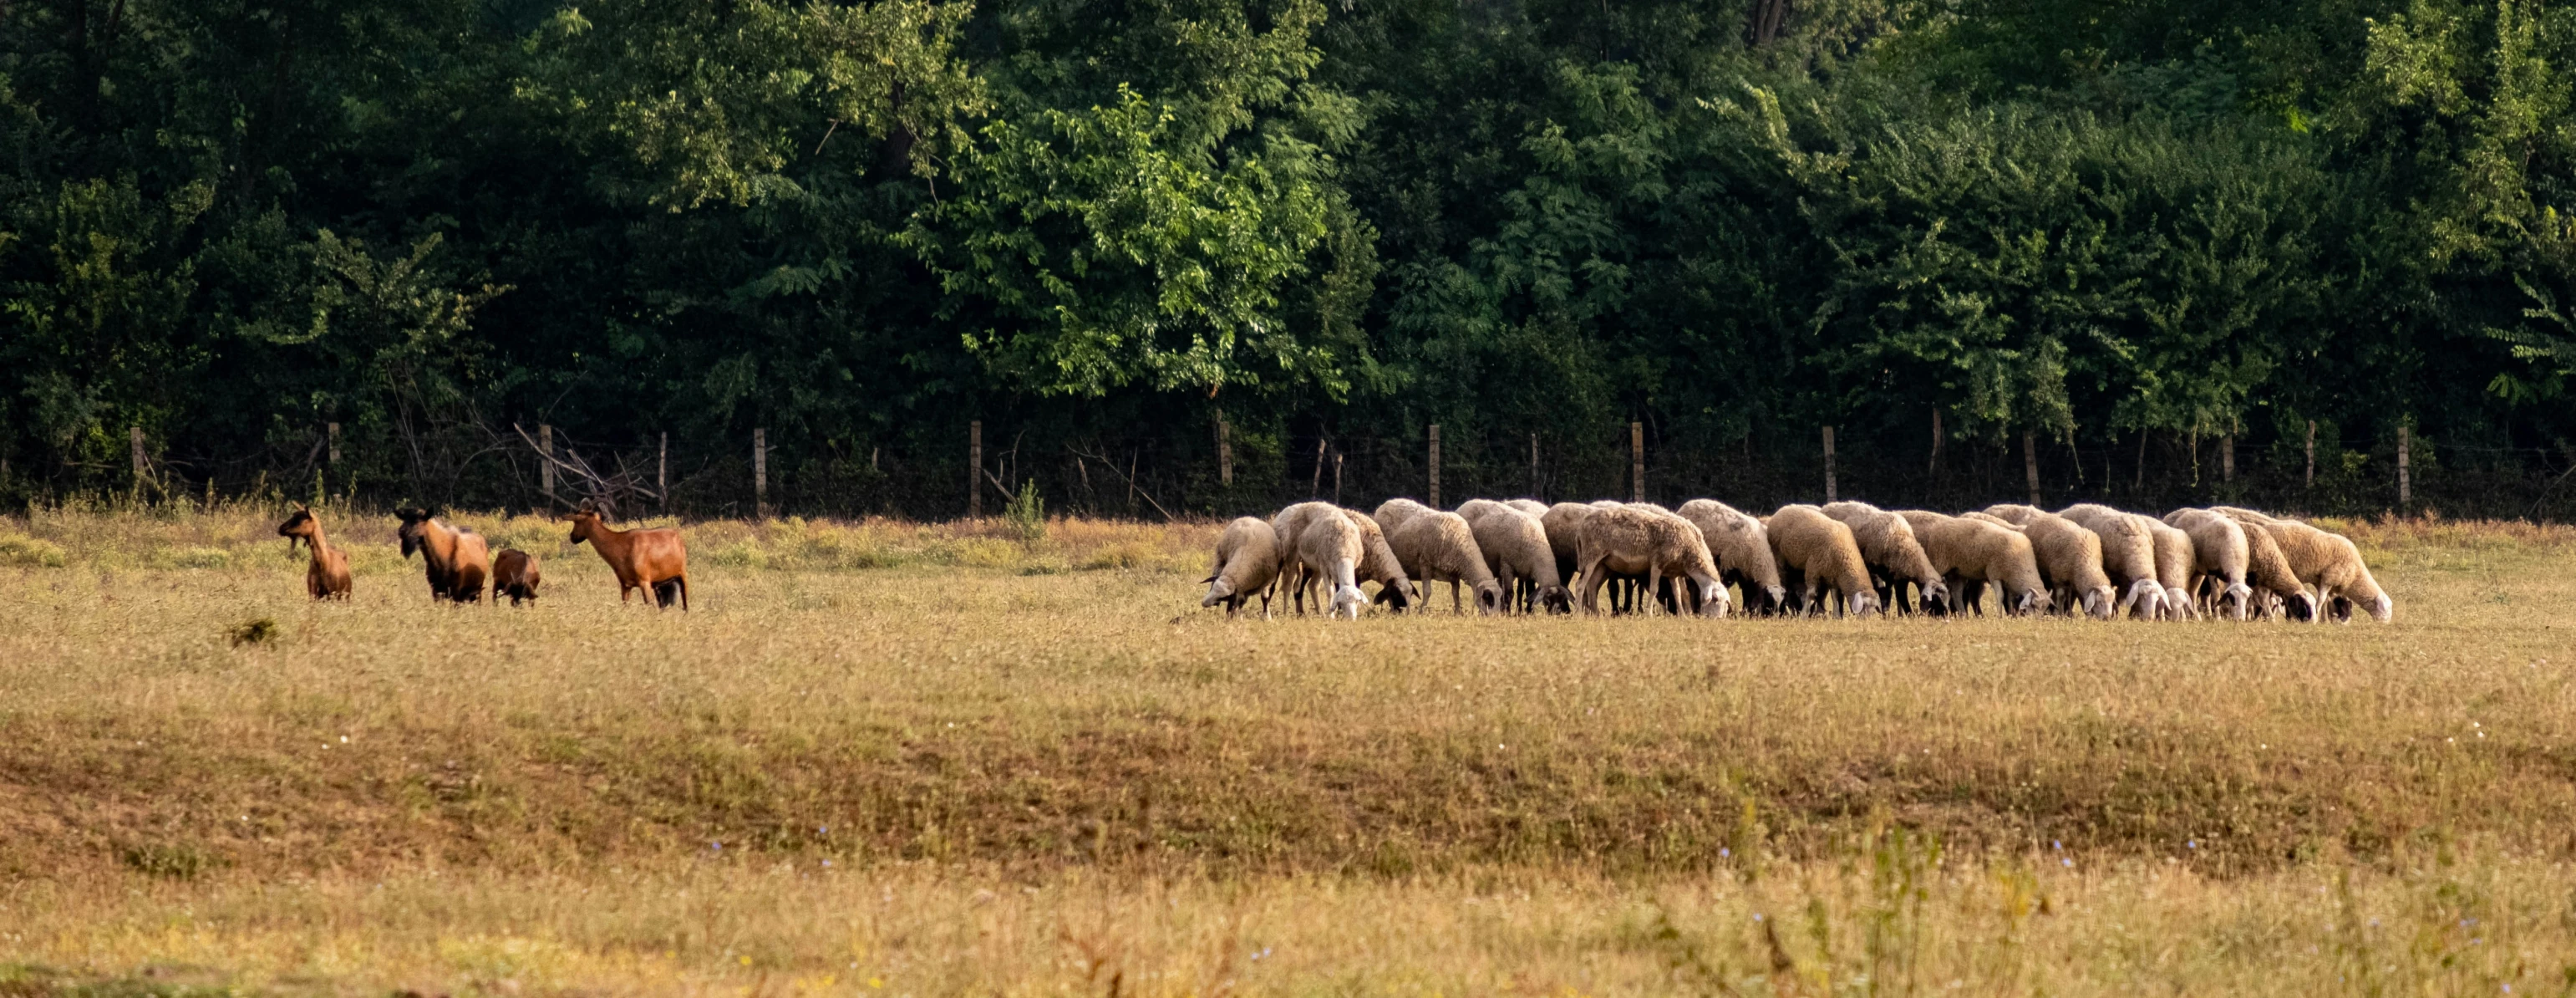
x,y
653,560
514,574
457,559
328,575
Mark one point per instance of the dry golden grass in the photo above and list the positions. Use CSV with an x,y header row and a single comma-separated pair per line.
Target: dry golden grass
x,y
1035,767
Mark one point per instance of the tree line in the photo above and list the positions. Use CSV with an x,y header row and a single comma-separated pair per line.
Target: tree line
x,y
2146,251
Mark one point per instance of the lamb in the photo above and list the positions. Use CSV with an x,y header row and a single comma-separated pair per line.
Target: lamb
x,y
1743,552
2268,567
2330,564
1629,541
1379,564
1974,551
1330,548
2174,559
2070,558
1441,547
2128,555
1517,552
1392,514
1247,562
1815,549
1894,556
2219,554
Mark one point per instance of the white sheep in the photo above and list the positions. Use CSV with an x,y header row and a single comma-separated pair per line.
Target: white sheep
x,y
2175,557
2128,555
1817,550
1247,562
1894,556
1517,552
1975,551
1441,547
1330,548
2220,560
1393,514
1743,552
1619,540
2070,558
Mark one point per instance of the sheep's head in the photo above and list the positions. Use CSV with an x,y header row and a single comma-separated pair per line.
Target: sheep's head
x,y
2178,605
2145,601
1862,604
1774,598
1555,599
2240,597
2383,609
1936,594
1347,601
2300,606
2099,602
1396,593
1714,602
2034,601
1489,597
1218,590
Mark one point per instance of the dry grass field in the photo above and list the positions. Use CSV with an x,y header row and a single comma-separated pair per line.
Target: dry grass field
x,y
930,760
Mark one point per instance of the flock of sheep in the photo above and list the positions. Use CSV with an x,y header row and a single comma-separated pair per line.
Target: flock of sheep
x,y
1529,557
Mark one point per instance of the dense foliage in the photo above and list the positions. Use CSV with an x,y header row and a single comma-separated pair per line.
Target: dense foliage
x,y
2114,233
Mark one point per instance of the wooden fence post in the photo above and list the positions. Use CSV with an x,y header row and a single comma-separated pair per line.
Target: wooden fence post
x,y
1315,488
760,472
662,472
1337,478
2030,463
2227,458
975,474
1934,466
1533,466
1829,464
1435,466
1636,461
2312,453
1224,452
2405,475
333,431
546,458
134,436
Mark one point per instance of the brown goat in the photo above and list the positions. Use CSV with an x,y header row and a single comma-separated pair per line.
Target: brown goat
x,y
514,574
328,575
656,561
456,559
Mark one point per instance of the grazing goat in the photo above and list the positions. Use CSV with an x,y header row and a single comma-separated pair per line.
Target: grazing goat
x,y
455,559
327,577
1247,561
514,574
656,561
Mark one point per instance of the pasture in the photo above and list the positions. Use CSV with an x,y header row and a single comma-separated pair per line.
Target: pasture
x,y
886,758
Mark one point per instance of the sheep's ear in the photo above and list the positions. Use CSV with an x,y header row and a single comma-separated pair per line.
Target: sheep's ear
x,y
1210,578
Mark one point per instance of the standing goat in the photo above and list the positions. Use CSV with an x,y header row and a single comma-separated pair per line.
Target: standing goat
x,y
656,561
327,577
454,558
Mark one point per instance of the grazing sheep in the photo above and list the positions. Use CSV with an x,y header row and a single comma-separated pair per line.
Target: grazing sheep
x,y
514,574
1393,514
2220,559
1625,541
1247,562
1517,552
1379,564
1743,552
2128,555
2268,566
1286,527
2070,558
1329,548
1975,551
326,576
1564,525
1894,556
1474,509
1441,547
2174,560
1814,550
2328,563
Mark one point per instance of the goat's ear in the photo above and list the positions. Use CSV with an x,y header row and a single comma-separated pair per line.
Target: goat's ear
x,y
299,507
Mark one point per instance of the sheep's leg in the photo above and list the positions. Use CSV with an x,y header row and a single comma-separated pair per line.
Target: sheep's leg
x,y
1590,578
1654,578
